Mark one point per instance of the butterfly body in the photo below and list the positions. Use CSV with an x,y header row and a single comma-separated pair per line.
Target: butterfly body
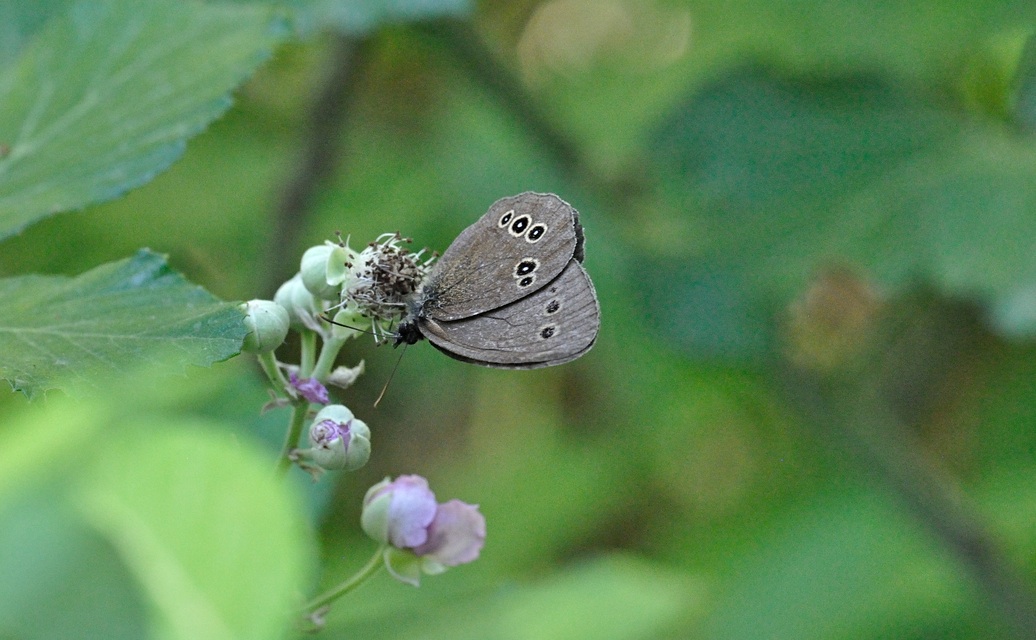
x,y
510,291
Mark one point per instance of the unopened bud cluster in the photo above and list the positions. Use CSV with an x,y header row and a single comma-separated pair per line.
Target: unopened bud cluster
x,y
267,324
337,294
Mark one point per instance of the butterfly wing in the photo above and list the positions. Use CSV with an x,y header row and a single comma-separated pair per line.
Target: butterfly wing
x,y
522,243
556,324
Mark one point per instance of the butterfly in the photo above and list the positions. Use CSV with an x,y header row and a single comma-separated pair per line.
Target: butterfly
x,y
511,291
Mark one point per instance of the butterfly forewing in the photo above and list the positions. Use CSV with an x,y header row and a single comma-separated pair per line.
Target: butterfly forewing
x,y
521,244
555,324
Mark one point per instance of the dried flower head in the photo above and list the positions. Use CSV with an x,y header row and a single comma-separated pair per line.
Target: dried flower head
x,y
383,274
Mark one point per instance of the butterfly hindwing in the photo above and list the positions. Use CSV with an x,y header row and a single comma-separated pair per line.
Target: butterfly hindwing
x,y
555,324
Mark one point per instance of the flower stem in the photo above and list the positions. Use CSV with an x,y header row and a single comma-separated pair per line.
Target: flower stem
x,y
373,565
327,358
308,348
291,440
269,364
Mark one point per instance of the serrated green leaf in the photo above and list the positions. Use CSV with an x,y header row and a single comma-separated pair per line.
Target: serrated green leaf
x,y
216,541
69,333
795,177
105,95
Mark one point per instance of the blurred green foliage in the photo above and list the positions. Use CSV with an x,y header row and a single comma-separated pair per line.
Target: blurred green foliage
x,y
811,409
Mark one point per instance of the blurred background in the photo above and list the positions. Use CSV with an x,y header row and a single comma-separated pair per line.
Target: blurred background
x,y
811,410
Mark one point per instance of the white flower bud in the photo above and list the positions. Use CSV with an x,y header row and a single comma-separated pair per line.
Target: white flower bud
x,y
299,302
267,324
323,269
338,440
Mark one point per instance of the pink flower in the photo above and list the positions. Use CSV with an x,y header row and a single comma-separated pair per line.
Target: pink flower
x,y
423,536
399,512
456,534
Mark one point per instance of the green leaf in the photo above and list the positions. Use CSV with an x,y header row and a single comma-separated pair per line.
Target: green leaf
x,y
105,95
363,16
612,597
216,541
60,579
845,566
907,39
790,178
20,20
642,55
69,333
140,472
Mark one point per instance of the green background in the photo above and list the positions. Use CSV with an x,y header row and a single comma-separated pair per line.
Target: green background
x,y
811,410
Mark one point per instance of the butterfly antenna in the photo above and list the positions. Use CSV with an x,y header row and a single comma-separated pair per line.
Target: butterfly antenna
x,y
391,375
347,326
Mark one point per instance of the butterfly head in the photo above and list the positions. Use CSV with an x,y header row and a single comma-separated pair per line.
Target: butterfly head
x,y
407,333
418,304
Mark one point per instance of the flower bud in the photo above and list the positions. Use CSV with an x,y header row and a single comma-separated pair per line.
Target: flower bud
x,y
323,270
299,302
399,511
403,566
340,265
338,440
267,324
336,412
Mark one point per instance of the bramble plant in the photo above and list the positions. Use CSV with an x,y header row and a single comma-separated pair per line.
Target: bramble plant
x,y
337,295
